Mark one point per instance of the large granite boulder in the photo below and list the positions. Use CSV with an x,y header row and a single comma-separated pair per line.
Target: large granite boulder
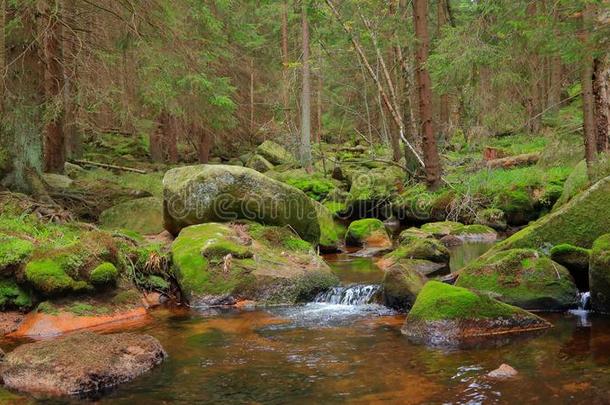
x,y
599,275
522,277
80,364
219,193
448,315
219,264
275,153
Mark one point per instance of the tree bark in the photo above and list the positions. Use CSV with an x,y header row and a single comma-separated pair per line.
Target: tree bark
x,y
601,93
2,59
285,63
54,141
588,101
431,156
442,19
305,144
204,146
554,96
155,140
170,139
73,143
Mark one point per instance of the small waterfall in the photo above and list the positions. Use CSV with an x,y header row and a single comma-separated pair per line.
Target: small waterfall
x,y
358,294
584,301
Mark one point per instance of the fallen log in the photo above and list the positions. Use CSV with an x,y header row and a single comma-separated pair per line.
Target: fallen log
x,y
108,166
513,161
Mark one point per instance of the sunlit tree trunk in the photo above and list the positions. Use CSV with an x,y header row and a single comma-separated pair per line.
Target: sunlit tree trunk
x,y
601,94
305,144
431,156
50,32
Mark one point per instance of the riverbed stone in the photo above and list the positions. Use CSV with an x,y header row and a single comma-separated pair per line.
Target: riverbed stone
x,y
14,252
599,275
522,277
220,193
412,234
476,233
576,260
270,265
368,232
448,315
80,364
401,284
442,228
423,249
143,215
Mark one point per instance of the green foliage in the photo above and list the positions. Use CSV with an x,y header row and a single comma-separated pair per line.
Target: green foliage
x,y
12,296
48,277
359,230
13,251
103,275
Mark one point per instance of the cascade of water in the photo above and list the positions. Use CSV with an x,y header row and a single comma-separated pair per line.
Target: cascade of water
x,y
359,294
584,301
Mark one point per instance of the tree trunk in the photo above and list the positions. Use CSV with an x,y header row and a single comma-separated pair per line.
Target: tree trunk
x,y
554,96
252,96
442,19
54,141
73,143
155,142
588,101
601,93
2,59
431,156
305,144
205,144
285,63
170,139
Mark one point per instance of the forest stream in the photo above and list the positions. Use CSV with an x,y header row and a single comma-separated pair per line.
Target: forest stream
x,y
349,350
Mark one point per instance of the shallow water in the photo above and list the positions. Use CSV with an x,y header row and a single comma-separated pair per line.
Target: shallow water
x,y
326,353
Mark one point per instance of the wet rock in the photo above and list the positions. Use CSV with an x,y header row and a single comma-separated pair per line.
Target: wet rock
x,y
443,228
401,284
205,193
9,321
331,233
576,260
428,250
80,364
476,233
369,232
599,275
412,234
492,217
503,372
143,215
451,241
522,277
279,268
448,315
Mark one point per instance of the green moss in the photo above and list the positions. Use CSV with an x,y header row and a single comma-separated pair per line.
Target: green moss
x,y
567,255
48,277
517,204
48,308
84,309
331,233
599,274
442,228
521,277
217,248
12,296
360,229
475,229
492,217
13,251
143,215
297,244
156,283
440,301
104,274
125,297
413,234
335,207
275,153
423,249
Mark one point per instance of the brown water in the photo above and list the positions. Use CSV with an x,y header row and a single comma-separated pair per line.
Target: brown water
x,y
320,353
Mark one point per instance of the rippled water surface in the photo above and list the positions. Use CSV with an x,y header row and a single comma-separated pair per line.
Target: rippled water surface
x,y
325,353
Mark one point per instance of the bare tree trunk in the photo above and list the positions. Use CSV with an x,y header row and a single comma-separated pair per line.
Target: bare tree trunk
x,y
319,92
170,139
155,142
285,63
534,108
2,59
554,96
601,93
204,146
252,96
431,156
588,101
442,19
305,144
73,142
54,150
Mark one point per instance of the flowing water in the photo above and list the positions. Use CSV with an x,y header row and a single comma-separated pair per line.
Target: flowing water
x,y
331,352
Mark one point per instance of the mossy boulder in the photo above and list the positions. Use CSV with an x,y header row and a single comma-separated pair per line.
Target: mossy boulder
x,y
476,233
315,185
422,249
492,217
105,274
579,222
599,275
370,190
412,234
401,284
417,203
522,277
13,296
261,263
259,163
49,278
275,153
442,228
143,215
331,233
517,205
368,232
576,260
13,253
448,315
219,193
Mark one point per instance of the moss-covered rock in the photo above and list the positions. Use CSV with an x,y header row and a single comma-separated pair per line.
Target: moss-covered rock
x,y
576,260
599,274
205,193
13,296
492,217
476,233
331,233
443,228
13,253
579,180
104,275
417,203
144,215
259,163
412,234
315,185
444,314
368,232
517,205
422,249
522,277
579,222
282,268
401,284
370,190
275,153
48,277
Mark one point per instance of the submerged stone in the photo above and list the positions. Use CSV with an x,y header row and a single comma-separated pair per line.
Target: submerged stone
x,y
80,364
220,193
522,277
448,315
